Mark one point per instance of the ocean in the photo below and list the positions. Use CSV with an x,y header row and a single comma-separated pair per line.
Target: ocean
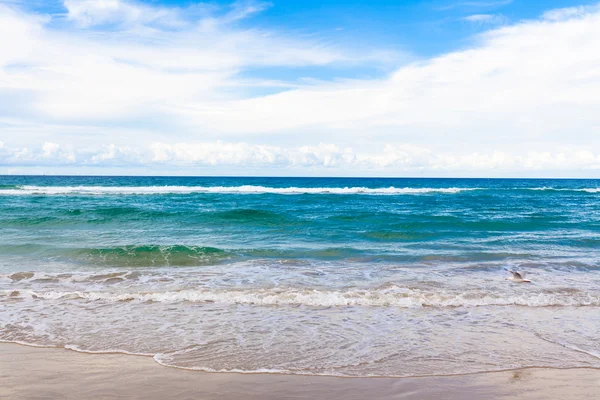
x,y
317,276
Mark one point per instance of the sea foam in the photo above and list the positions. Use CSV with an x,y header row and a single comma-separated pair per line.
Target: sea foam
x,y
245,189
398,297
586,190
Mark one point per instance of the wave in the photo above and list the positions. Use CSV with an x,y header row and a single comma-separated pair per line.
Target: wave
x,y
161,359
553,189
152,255
396,297
127,255
78,349
180,255
570,346
254,189
245,189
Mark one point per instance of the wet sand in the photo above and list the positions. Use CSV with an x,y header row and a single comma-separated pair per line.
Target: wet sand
x,y
51,373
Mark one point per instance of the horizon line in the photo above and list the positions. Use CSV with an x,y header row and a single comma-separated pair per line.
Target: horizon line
x,y
289,177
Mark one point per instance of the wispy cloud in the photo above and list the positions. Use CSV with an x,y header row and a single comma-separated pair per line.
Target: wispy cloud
x,y
486,19
129,13
87,13
480,17
141,65
245,9
561,14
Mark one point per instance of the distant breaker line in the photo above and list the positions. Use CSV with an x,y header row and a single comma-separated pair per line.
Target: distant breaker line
x,y
254,189
587,190
245,189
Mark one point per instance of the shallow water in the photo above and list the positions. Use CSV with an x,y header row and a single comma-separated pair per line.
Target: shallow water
x,y
351,277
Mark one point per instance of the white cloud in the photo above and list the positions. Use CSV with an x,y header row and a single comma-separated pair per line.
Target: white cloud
x,y
161,88
478,17
241,10
562,14
532,84
47,154
96,12
129,13
50,148
403,159
139,69
486,19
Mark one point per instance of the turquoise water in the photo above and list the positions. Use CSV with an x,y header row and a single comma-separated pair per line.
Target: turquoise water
x,y
352,277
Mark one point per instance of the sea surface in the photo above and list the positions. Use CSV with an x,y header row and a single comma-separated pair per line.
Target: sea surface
x,y
322,276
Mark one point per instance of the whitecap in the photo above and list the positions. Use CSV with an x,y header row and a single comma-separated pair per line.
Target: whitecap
x,y
245,189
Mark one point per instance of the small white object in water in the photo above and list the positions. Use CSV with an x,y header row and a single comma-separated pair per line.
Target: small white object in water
x,y
517,277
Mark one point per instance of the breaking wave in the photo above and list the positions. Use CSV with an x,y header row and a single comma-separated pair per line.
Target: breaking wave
x,y
586,190
396,297
128,255
245,189
254,189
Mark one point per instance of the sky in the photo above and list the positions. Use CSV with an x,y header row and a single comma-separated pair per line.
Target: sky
x,y
436,88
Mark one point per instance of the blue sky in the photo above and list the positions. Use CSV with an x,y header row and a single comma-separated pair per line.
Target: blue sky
x,y
394,88
418,28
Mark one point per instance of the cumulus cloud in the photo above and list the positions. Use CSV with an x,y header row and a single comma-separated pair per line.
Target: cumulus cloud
x,y
50,148
47,154
405,159
121,83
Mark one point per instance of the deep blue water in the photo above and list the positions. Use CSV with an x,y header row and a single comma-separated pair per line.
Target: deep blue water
x,y
449,220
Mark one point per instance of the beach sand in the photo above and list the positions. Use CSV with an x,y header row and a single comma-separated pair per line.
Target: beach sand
x,y
52,373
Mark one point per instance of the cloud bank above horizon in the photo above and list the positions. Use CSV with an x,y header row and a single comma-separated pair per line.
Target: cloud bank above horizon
x,y
116,86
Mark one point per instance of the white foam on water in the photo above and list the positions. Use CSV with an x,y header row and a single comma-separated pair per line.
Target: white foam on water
x,y
335,341
246,189
250,189
76,348
158,358
571,346
23,343
105,351
398,297
587,190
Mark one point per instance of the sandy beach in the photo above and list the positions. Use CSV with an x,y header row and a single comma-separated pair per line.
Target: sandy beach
x,y
52,373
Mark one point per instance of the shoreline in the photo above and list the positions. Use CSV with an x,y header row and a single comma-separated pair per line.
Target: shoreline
x,y
239,372
52,372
